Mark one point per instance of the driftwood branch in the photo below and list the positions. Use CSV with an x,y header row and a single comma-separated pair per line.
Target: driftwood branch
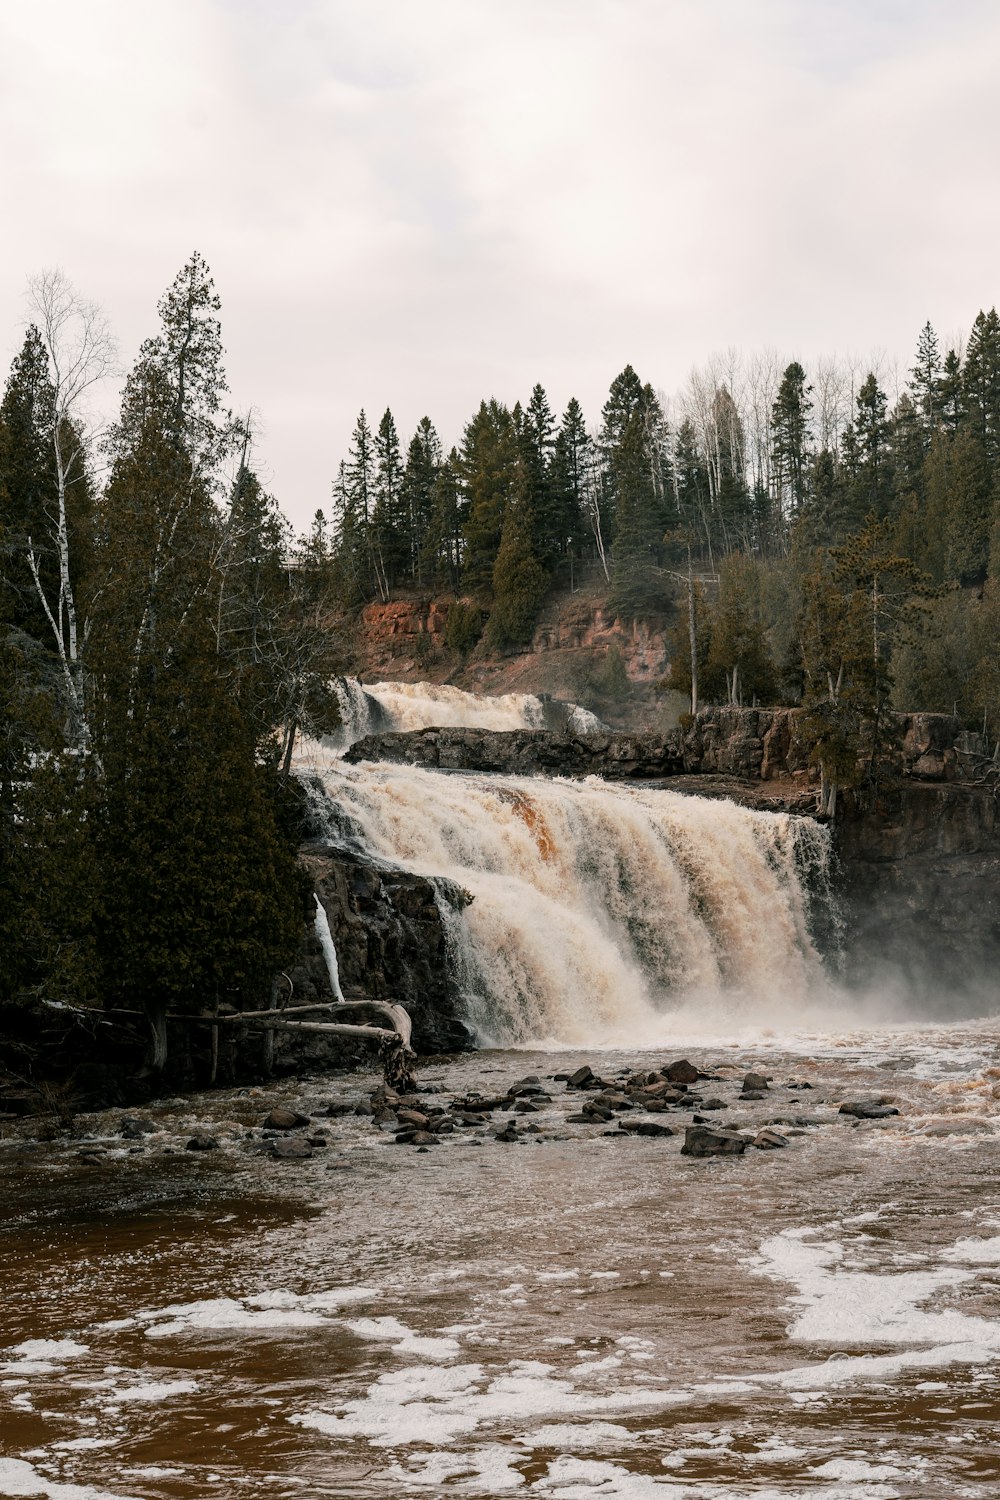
x,y
393,1041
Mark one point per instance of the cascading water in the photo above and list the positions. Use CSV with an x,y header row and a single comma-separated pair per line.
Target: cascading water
x,y
601,914
422,705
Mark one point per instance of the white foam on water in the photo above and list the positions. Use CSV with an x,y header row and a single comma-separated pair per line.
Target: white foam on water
x,y
486,1470
50,1349
576,1435
153,1390
975,1252
403,1339
437,1405
844,1307
275,1310
19,1478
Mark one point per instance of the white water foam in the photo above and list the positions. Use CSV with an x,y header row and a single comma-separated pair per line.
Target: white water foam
x,y
600,911
851,1307
406,706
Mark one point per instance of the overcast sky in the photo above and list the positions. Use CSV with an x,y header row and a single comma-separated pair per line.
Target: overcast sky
x,y
418,203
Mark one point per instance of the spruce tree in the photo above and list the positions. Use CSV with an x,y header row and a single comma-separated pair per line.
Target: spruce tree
x,y
520,582
790,434
488,460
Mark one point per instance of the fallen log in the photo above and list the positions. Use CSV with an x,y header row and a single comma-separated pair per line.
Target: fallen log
x,y
393,1041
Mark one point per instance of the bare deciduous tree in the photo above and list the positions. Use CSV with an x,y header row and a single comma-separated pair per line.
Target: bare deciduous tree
x,y
82,352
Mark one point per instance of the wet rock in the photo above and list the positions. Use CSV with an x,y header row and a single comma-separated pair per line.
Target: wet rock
x,y
285,1119
291,1148
681,1071
581,1078
712,1104
318,1142
202,1141
412,1117
645,1127
753,1095
364,1107
754,1083
134,1127
582,1119
509,1133
707,1140
868,1109
769,1140
526,1107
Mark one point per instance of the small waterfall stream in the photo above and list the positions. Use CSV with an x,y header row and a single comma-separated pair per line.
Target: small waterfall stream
x,y
403,706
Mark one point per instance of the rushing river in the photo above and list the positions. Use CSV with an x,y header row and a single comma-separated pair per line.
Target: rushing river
x,y
572,1315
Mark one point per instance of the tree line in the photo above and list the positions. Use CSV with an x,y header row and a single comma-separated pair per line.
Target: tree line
x,y
817,541
162,641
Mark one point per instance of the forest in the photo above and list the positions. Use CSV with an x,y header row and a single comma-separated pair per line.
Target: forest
x,y
164,637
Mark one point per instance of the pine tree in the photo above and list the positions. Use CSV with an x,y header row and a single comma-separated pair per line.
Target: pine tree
x,y
392,543
27,484
487,465
790,440
738,648
981,384
925,380
423,461
571,461
520,582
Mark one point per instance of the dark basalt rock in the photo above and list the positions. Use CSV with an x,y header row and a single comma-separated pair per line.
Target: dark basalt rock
x,y
706,1140
868,1109
285,1119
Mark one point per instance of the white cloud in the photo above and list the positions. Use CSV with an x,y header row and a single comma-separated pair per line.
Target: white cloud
x,y
418,205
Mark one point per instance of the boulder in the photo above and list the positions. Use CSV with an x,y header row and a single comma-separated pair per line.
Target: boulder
x,y
681,1071
868,1109
769,1140
581,1078
281,1118
707,1140
754,1083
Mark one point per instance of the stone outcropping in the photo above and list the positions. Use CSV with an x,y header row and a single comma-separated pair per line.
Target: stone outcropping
x,y
526,752
390,935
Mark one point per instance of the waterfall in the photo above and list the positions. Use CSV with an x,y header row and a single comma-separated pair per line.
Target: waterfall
x,y
322,924
602,915
422,705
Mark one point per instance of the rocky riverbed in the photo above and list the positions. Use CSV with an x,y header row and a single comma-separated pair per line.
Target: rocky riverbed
x,y
523,1277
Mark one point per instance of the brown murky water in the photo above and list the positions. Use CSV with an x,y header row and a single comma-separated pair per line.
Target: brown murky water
x,y
571,1315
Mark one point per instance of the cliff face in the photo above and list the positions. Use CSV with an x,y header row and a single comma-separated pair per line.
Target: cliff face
x,y
405,640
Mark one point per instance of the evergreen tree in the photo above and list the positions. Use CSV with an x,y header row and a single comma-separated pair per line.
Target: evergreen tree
x,y
571,461
790,440
487,465
391,529
423,461
520,582
738,649
925,381
981,384
27,485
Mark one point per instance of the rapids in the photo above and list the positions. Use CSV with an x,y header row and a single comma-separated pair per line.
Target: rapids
x,y
601,915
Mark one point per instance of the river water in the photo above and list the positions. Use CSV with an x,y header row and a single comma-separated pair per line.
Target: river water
x,y
577,1313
